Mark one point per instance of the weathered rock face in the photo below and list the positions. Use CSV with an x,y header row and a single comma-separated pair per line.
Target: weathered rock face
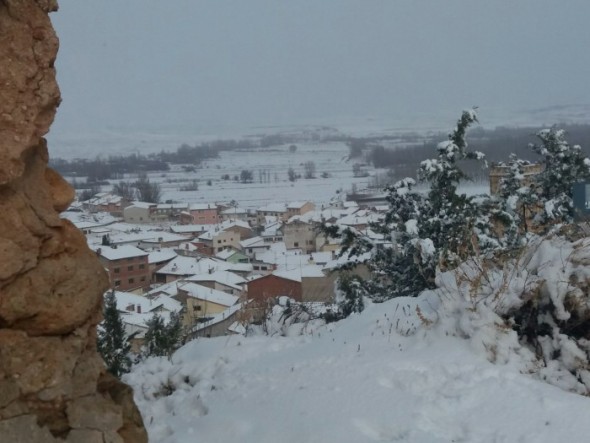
x,y
53,386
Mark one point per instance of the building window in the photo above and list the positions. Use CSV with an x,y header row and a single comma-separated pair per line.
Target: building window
x,y
141,266
129,259
296,244
142,279
116,270
130,268
219,241
131,281
117,283
198,307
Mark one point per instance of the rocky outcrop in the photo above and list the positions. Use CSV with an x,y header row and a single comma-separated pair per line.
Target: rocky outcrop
x,y
53,386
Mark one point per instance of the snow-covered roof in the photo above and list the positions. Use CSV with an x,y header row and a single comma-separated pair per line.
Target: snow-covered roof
x,y
306,271
182,265
120,252
172,206
273,207
223,277
128,302
202,206
142,205
170,289
219,318
161,255
207,294
253,242
189,229
226,253
234,223
164,237
296,205
234,211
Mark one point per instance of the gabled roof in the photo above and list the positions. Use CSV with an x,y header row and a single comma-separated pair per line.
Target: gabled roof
x,y
225,278
273,207
202,206
161,256
185,266
253,242
297,205
189,229
120,252
221,317
207,294
142,205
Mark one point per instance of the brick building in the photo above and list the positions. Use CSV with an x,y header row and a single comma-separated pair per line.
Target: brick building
x,y
271,286
127,266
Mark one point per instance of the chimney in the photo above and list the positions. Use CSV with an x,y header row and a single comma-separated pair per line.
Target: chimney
x,y
139,309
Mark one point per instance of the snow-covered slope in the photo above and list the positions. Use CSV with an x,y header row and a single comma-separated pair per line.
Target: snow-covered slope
x,y
383,375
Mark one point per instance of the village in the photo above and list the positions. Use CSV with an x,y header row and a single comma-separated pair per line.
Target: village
x,y
219,267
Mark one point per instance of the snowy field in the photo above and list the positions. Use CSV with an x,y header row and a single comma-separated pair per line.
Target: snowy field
x,y
378,376
269,167
330,158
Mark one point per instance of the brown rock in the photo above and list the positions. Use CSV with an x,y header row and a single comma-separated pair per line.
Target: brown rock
x,y
52,381
24,429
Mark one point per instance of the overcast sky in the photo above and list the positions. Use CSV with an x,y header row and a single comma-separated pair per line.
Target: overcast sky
x,y
159,64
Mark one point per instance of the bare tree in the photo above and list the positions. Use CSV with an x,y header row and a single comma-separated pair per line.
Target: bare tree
x,y
125,190
146,190
309,169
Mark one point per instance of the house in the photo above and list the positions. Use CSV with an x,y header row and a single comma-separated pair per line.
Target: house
x,y
278,211
216,240
299,235
190,230
270,286
234,213
183,267
139,212
106,202
158,259
168,211
127,266
220,280
224,323
203,214
231,255
252,246
299,208
136,311
239,227
327,244
202,303
273,232
162,240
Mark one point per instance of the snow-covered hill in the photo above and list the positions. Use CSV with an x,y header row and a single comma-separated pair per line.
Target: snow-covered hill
x,y
384,375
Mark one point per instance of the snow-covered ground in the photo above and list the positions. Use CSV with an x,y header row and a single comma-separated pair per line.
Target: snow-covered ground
x,y
383,375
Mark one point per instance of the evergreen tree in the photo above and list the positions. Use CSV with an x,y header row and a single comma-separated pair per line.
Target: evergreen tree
x,y
112,340
451,220
351,289
162,339
564,166
421,233
517,201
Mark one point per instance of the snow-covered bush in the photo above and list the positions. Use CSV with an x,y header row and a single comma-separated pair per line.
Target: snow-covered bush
x,y
532,310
